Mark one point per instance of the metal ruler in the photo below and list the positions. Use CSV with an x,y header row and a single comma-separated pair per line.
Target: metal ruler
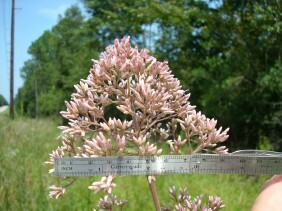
x,y
250,162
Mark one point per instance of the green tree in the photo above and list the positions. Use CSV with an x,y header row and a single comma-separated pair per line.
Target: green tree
x,y
3,101
60,58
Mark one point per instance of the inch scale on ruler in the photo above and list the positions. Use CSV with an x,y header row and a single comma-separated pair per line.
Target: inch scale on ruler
x,y
251,162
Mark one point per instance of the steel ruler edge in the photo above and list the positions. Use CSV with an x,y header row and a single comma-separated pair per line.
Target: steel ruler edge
x,y
169,164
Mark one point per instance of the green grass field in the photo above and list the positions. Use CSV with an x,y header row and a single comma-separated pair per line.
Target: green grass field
x,y
24,180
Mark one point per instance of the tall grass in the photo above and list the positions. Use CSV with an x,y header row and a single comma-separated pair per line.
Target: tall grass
x,y
24,179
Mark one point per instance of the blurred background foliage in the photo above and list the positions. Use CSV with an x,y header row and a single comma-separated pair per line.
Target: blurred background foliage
x,y
226,53
3,101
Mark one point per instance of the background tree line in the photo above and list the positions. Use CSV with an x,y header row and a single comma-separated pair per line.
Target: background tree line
x,y
3,101
226,53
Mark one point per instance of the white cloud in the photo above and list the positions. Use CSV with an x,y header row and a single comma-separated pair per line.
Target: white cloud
x,y
53,13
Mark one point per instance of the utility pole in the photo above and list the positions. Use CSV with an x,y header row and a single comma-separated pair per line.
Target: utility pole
x,y
12,62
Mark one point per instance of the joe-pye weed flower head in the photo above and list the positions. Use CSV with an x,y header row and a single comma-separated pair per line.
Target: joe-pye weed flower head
x,y
153,109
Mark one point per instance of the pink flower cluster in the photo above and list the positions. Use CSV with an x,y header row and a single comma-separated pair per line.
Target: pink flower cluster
x,y
153,106
183,201
103,186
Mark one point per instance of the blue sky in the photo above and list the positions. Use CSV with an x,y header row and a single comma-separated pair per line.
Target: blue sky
x,y
32,18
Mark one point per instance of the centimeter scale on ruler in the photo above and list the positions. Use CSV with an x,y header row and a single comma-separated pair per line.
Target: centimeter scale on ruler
x,y
251,162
